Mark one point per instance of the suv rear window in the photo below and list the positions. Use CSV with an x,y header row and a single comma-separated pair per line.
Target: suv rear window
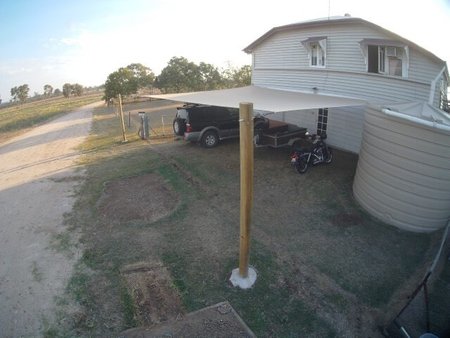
x,y
182,113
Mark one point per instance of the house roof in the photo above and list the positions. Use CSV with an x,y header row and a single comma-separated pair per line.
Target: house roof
x,y
264,99
336,20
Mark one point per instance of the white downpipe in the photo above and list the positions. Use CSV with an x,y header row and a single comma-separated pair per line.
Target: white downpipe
x,y
416,120
433,86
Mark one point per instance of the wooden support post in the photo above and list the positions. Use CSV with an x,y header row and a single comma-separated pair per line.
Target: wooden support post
x,y
246,150
124,136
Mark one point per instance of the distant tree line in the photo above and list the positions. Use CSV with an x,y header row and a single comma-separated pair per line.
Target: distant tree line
x,y
180,75
20,94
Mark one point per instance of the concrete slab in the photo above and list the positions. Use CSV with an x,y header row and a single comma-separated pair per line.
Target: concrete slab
x,y
219,320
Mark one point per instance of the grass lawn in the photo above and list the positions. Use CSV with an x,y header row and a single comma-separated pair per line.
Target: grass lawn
x,y
325,267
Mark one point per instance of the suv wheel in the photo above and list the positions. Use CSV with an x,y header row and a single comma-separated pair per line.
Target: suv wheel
x,y
178,128
210,139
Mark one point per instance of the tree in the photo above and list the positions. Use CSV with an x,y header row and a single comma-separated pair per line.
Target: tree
x,y
142,75
243,76
67,89
57,92
120,82
71,89
211,77
180,75
77,89
128,80
20,94
238,77
48,90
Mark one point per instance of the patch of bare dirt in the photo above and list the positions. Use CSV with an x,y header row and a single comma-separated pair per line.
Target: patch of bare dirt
x,y
143,198
155,299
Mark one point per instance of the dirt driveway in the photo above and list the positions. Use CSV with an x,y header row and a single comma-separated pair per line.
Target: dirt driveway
x,y
37,179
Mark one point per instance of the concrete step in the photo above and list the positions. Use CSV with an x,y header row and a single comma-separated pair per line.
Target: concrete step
x,y
219,320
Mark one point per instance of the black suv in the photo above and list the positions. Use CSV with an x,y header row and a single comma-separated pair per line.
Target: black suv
x,y
209,124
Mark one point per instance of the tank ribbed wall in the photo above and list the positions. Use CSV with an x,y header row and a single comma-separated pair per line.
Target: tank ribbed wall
x,y
403,173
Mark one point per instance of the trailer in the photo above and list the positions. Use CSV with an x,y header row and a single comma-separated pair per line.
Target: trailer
x,y
279,134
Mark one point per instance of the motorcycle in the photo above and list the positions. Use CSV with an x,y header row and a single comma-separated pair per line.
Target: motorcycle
x,y
310,151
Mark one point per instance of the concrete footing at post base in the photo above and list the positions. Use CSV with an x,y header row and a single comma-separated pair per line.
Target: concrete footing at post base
x,y
244,283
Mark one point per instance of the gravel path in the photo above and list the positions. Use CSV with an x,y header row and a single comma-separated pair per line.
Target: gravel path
x,y
37,179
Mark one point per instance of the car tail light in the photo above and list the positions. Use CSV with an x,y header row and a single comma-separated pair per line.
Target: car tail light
x,y
188,128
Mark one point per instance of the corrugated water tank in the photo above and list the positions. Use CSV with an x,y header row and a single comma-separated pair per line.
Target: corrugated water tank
x,y
403,171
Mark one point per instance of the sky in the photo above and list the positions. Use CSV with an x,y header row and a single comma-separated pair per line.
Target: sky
x,y
83,41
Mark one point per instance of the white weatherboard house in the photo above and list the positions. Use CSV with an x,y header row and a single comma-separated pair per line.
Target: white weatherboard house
x,y
350,57
402,137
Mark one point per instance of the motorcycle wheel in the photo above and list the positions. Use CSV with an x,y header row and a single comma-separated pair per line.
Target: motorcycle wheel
x,y
302,165
329,156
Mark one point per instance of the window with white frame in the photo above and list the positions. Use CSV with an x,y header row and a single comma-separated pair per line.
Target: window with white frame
x,y
316,48
317,55
387,60
322,121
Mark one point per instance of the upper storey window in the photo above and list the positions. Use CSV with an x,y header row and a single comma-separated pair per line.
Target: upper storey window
x,y
316,48
385,57
385,60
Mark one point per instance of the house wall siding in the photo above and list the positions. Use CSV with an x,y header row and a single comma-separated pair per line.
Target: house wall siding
x,y
282,62
374,88
345,127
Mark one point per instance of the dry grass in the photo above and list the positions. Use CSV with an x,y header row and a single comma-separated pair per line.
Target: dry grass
x,y
16,118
